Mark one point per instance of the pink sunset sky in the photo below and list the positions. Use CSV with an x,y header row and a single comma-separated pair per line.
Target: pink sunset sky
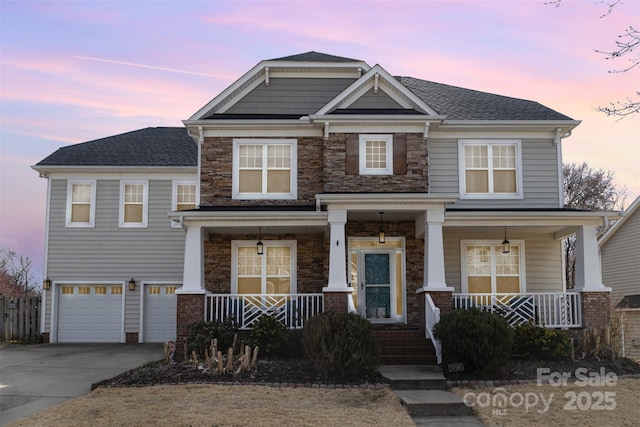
x,y
76,71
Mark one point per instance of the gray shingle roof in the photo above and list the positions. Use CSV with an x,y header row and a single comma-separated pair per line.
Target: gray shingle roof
x,y
315,57
466,104
158,146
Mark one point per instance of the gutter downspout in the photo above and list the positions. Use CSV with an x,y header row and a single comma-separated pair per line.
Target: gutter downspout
x,y
198,180
557,141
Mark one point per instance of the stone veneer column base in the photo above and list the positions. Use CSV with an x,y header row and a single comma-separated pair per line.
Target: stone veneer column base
x,y
190,309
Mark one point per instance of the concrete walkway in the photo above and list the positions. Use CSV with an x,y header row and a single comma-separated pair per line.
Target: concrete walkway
x,y
35,377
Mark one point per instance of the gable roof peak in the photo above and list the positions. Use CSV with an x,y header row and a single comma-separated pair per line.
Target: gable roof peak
x,y
313,56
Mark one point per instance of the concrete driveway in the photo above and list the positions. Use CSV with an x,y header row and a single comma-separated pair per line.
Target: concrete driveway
x,y
35,377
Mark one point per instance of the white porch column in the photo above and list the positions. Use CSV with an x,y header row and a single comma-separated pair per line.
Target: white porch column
x,y
588,268
337,252
193,274
434,277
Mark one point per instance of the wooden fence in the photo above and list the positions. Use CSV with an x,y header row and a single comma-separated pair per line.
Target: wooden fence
x,y
20,319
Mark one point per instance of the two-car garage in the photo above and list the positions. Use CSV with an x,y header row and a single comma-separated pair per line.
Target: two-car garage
x,y
99,312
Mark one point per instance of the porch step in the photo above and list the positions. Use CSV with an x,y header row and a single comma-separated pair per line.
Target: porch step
x,y
421,390
404,346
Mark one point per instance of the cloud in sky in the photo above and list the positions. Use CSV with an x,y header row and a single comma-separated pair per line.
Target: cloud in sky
x,y
77,71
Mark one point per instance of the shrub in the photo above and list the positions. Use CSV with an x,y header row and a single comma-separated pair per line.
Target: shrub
x,y
269,334
292,346
201,334
481,340
537,342
340,344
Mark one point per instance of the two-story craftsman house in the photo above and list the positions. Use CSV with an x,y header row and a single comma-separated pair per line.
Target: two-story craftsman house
x,y
317,182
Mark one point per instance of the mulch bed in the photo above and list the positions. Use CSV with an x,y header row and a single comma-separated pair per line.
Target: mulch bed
x,y
300,373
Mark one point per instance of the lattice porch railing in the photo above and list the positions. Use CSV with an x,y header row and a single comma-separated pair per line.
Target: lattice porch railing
x,y
246,309
548,309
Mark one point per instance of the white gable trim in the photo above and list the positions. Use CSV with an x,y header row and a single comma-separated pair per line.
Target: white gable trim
x,y
258,74
625,215
387,83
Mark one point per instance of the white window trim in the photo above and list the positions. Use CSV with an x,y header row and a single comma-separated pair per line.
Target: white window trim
x,y
174,196
145,204
265,196
267,243
92,207
492,243
490,195
362,154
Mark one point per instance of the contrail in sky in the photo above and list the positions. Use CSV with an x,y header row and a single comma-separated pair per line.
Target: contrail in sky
x,y
173,70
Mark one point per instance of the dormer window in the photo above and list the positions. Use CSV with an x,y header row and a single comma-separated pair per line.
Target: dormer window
x,y
376,154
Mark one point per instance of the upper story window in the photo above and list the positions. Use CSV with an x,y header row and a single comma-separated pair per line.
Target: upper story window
x,y
81,203
490,169
134,197
376,155
183,197
264,168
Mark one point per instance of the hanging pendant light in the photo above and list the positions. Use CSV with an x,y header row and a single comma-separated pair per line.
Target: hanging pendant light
x,y
506,246
381,238
260,245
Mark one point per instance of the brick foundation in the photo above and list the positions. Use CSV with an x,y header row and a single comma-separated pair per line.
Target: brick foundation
x,y
131,337
190,309
442,300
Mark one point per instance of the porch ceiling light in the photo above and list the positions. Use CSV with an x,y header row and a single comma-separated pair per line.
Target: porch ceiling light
x,y
260,245
46,284
506,246
132,285
381,238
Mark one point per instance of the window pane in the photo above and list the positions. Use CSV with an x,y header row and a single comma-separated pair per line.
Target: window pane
x,y
133,193
479,284
278,181
80,212
250,181
507,285
504,156
250,156
185,196
279,156
477,181
278,285
475,156
478,260
278,261
249,285
504,181
81,193
249,262
133,213
376,154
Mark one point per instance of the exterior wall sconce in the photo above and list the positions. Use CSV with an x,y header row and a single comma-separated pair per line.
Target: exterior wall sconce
x,y
260,245
46,284
381,237
132,285
506,246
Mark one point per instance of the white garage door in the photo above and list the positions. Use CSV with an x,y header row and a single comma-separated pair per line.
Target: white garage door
x,y
159,313
90,313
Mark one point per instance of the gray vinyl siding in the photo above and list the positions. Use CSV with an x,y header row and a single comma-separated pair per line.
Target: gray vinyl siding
x,y
539,175
620,256
542,253
290,96
372,100
107,252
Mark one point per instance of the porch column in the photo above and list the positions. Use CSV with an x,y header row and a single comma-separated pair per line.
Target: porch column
x,y
595,297
190,298
434,277
337,293
588,270
193,273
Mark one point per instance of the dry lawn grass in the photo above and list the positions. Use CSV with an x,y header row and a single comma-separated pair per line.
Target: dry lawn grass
x,y
216,405
625,413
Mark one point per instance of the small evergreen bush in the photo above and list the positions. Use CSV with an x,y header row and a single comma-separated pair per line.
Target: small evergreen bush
x,y
481,340
537,342
269,334
201,334
340,344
